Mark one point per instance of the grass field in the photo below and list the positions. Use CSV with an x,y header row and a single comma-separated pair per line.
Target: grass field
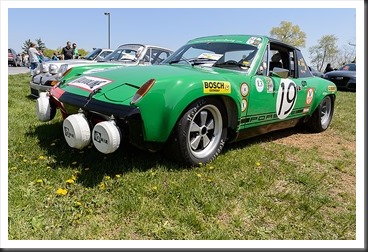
x,y
286,185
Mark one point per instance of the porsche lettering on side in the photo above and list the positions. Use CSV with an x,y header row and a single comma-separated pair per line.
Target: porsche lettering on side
x,y
212,91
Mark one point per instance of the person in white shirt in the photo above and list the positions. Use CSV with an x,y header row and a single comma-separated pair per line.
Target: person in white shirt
x,y
33,57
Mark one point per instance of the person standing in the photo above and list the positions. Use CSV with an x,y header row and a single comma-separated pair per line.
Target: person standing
x,y
328,68
75,51
33,57
67,51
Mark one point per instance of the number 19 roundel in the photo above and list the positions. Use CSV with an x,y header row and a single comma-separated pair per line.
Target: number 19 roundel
x,y
286,98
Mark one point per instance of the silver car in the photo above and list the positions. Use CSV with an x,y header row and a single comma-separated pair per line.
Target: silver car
x,y
124,55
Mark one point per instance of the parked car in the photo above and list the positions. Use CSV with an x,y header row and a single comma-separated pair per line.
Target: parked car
x,y
13,58
127,54
344,78
315,72
211,91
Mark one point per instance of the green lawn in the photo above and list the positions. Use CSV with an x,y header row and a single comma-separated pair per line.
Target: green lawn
x,y
287,185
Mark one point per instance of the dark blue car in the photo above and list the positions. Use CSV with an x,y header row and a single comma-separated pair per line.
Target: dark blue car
x,y
344,78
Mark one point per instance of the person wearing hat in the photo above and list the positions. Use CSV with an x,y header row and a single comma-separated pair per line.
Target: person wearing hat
x,y
33,57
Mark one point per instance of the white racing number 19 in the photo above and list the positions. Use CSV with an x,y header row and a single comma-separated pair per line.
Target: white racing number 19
x,y
286,98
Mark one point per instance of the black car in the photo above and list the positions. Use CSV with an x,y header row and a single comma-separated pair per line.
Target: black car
x,y
344,78
315,72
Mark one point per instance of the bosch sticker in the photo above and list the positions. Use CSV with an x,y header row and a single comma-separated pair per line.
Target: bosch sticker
x,y
244,89
259,84
244,105
286,98
331,88
89,83
216,87
310,94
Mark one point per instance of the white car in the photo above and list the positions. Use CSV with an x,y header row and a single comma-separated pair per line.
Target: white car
x,y
127,55
51,68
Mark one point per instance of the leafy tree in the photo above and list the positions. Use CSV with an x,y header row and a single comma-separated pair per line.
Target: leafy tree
x,y
39,45
289,33
325,51
26,46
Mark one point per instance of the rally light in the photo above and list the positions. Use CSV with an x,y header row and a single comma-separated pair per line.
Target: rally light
x,y
143,90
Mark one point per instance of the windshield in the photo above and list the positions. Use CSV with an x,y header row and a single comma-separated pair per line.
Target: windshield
x,y
92,55
219,54
125,53
348,67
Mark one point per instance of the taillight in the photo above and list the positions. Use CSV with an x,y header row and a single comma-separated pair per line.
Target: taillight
x,y
142,91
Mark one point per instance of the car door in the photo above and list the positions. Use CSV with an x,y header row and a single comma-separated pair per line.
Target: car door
x,y
276,93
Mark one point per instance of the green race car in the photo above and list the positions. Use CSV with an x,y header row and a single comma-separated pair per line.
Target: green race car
x,y
211,91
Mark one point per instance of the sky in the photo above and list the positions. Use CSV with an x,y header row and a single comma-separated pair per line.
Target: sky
x,y
171,24
170,27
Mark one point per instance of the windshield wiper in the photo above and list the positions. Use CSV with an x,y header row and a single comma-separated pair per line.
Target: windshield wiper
x,y
230,63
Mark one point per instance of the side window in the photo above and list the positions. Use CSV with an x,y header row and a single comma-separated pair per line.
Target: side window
x,y
276,59
158,56
303,70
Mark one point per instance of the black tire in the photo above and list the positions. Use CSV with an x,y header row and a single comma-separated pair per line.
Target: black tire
x,y
200,134
322,116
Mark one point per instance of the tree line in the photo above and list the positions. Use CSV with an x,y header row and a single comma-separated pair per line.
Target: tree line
x,y
40,46
324,52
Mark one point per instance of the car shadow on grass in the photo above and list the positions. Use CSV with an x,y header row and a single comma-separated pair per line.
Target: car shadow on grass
x,y
93,164
268,137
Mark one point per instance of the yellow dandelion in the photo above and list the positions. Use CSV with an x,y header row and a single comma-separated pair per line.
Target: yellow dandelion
x,y
211,168
199,175
107,177
41,157
102,186
61,191
70,181
40,181
258,163
78,203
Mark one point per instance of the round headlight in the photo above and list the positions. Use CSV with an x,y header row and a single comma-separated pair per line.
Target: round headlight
x,y
44,67
53,69
63,68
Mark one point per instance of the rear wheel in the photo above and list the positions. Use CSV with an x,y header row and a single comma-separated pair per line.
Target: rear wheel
x,y
200,133
322,116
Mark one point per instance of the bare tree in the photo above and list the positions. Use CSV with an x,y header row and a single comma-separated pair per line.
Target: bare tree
x,y
325,52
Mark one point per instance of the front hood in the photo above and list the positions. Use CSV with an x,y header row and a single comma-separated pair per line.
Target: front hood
x,y
120,84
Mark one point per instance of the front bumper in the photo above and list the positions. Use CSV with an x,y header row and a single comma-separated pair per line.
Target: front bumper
x,y
41,83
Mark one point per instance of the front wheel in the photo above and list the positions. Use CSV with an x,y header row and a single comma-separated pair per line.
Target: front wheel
x,y
200,133
322,116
